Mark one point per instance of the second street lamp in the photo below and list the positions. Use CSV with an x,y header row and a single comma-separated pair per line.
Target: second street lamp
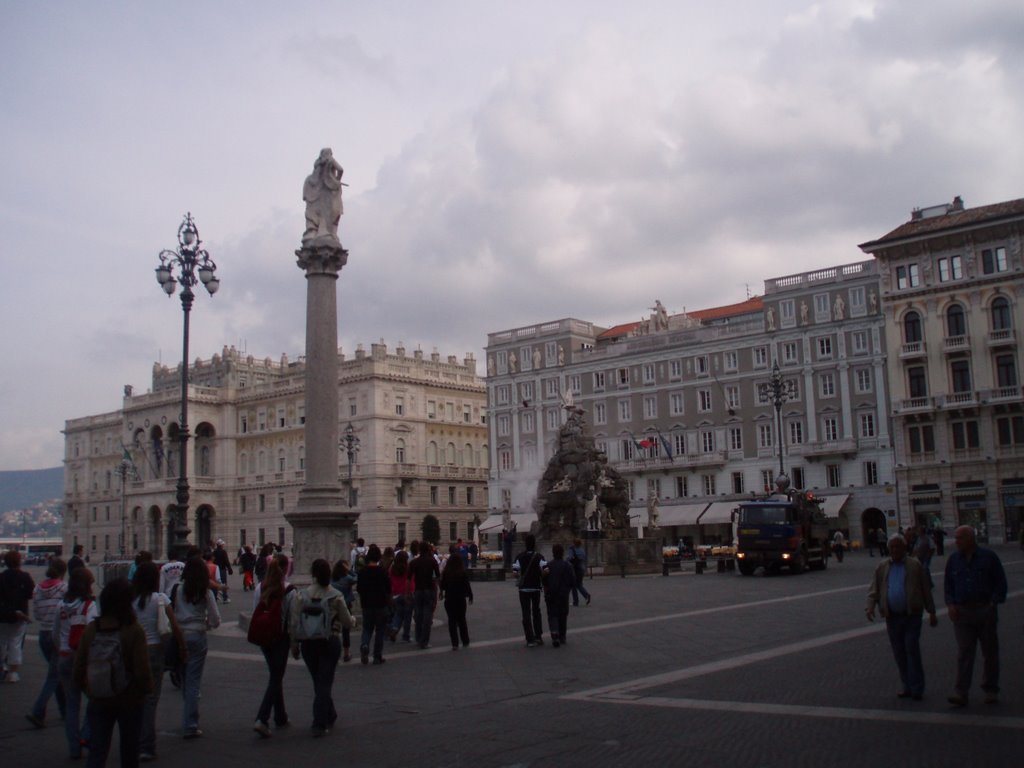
x,y
778,391
187,266
350,444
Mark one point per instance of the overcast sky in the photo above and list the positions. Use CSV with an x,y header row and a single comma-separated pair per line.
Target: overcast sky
x,y
509,163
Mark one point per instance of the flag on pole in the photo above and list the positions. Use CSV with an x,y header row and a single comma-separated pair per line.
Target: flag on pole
x,y
666,446
127,457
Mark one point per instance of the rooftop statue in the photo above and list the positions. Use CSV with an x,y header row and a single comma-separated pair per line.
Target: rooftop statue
x,y
322,195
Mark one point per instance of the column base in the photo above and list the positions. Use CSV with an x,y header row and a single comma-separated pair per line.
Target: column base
x,y
321,528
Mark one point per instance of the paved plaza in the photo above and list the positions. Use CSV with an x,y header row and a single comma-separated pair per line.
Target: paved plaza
x,y
697,670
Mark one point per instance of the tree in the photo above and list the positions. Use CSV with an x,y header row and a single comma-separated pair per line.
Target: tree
x,y
431,530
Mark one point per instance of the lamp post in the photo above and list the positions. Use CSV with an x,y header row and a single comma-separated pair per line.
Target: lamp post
x,y
350,444
123,470
193,265
777,391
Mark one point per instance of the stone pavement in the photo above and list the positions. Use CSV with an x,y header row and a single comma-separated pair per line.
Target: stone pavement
x,y
707,670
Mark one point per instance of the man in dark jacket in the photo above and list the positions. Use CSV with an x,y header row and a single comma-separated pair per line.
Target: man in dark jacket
x,y
426,574
559,581
374,587
528,567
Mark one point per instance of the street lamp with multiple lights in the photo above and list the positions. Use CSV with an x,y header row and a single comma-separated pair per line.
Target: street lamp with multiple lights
x,y
350,444
187,266
778,391
124,470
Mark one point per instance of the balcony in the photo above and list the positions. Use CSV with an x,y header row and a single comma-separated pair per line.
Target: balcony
x,y
912,350
958,400
1006,337
1001,394
821,448
955,344
913,405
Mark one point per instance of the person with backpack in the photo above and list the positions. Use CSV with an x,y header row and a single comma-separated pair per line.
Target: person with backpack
x,y
315,620
268,628
112,667
455,591
16,589
46,599
528,567
75,611
374,588
357,557
195,607
163,635
343,580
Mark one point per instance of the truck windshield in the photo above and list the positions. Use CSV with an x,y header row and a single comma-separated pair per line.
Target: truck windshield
x,y
761,515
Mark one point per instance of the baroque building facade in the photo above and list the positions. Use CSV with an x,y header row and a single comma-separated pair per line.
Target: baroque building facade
x,y
678,404
422,449
952,281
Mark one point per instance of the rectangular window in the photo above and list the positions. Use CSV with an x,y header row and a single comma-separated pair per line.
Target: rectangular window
x,y
993,260
675,369
649,377
681,487
551,388
675,403
767,480
528,422
1006,371
449,411
628,449
467,414
504,423
502,360
867,425
796,432
704,403
921,439
732,360
650,407
1010,430
700,365
709,484
622,377
732,396
600,413
830,429
965,435
679,444
821,308
764,436
243,423
791,353
400,495
352,410
551,354
598,380
760,357
835,475
432,405
525,359
451,496
860,342
858,307
433,495
787,313
530,455
870,473
574,385
863,380
625,410
798,477
917,382
262,503
950,269
453,531
302,413
280,418
399,406
261,421
242,504
827,385
554,419
907,277
526,392
960,376
735,438
505,459
707,441
737,482
824,347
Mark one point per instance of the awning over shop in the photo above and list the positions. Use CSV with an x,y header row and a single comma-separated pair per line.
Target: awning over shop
x,y
522,521
832,505
680,514
491,523
718,513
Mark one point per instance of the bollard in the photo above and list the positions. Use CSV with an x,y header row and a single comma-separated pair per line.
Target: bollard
x,y
699,565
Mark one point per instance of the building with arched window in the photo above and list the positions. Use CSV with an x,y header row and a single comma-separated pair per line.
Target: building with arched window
x,y
952,285
246,460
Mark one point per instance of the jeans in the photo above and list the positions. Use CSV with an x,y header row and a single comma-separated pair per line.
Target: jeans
x,y
102,715
578,588
73,729
51,686
321,657
375,623
558,615
273,698
191,679
905,639
423,614
457,626
401,618
529,603
974,627
147,736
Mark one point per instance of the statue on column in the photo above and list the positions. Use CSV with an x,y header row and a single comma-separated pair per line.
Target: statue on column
x,y
322,195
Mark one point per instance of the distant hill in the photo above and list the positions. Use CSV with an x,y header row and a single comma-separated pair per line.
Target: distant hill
x,y
25,488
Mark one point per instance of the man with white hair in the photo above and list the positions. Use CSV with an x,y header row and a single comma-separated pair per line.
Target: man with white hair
x,y
975,583
902,591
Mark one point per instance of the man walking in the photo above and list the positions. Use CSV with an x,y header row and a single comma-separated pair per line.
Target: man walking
x,y
975,584
902,590
224,569
425,575
578,560
528,567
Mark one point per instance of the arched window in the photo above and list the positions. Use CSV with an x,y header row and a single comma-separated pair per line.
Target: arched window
x,y
956,321
431,452
400,451
911,327
262,464
467,455
281,461
1001,318
243,463
204,460
451,455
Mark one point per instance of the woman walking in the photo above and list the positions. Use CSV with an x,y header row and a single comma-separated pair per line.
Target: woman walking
x,y
456,590
112,698
16,589
317,615
401,596
159,624
46,600
196,609
276,596
75,611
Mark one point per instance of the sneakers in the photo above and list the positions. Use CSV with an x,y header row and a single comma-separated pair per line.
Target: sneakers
x,y
262,729
531,644
36,721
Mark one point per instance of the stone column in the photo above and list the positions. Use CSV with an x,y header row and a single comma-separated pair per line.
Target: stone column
x,y
322,521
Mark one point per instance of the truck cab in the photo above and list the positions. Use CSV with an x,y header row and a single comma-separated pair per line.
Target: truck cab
x,y
786,530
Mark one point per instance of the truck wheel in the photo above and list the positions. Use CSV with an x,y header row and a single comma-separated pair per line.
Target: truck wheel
x,y
799,562
747,569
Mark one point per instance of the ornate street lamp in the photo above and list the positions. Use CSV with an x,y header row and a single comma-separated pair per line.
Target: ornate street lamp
x,y
777,391
193,265
124,470
350,444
